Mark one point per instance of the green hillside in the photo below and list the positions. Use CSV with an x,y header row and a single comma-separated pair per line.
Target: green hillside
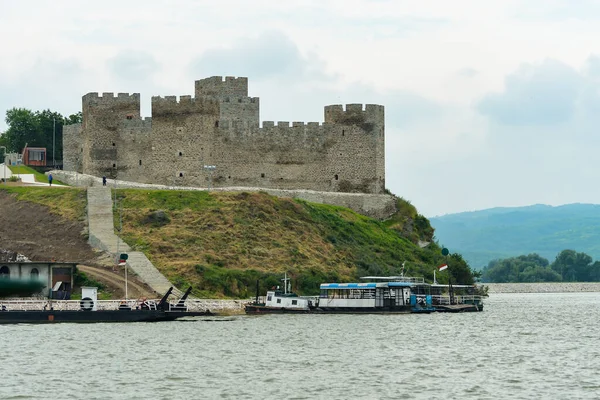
x,y
482,236
222,243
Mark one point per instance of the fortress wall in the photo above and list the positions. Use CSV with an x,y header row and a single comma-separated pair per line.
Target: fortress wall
x,y
328,157
133,148
182,136
378,206
240,109
363,161
277,155
103,120
217,86
72,147
220,127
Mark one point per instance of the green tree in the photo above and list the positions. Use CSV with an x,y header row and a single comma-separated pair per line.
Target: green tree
x,y
23,128
460,270
525,268
573,266
74,119
39,129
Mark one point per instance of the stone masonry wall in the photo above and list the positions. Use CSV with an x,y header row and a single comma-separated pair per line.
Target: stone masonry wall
x,y
72,147
379,206
220,127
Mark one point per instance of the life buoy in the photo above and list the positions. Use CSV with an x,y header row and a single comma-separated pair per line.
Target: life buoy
x,y
86,304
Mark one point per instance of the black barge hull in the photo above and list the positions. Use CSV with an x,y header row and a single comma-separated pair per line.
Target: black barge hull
x,y
109,316
258,309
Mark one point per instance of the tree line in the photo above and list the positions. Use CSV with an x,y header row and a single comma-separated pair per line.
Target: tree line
x,y
35,129
569,266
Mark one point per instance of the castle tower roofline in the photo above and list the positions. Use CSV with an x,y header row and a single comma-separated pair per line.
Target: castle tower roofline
x,y
109,97
218,86
186,105
355,114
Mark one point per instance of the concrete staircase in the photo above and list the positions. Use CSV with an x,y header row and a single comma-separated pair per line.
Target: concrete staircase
x,y
102,236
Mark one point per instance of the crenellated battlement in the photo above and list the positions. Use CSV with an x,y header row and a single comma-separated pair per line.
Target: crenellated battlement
x,y
109,98
286,124
185,104
355,114
218,87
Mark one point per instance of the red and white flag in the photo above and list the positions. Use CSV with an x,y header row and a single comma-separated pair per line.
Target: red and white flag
x,y
443,267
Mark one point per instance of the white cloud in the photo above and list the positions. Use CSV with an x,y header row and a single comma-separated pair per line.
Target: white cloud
x,y
487,103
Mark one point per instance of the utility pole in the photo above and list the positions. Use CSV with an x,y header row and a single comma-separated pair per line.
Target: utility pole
x,y
53,142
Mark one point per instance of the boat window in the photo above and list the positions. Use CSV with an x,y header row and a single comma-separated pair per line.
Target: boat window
x,y
278,300
294,302
35,273
269,298
5,272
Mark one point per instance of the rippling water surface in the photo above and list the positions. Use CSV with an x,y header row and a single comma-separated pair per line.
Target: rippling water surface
x,y
538,346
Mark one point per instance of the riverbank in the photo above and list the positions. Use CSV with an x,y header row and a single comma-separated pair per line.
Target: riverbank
x,y
546,287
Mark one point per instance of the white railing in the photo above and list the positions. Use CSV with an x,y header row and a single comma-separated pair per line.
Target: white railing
x,y
74,305
458,299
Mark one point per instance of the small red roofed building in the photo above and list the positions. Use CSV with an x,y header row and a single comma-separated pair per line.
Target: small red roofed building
x,y
35,156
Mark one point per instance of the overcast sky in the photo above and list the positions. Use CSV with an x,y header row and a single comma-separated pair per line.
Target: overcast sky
x,y
488,103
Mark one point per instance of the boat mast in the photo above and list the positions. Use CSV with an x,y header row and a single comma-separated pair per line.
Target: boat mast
x,y
256,300
285,283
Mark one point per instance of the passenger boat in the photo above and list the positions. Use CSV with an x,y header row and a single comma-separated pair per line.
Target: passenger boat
x,y
280,301
389,295
396,294
88,310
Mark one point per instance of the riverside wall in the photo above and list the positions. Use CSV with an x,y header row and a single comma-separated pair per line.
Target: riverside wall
x,y
546,287
379,206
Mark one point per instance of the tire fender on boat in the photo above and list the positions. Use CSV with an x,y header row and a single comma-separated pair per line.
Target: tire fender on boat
x,y
86,304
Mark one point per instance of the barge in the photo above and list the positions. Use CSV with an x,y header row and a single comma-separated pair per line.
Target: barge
x,y
88,310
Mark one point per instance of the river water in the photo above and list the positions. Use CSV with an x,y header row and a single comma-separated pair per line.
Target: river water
x,y
523,346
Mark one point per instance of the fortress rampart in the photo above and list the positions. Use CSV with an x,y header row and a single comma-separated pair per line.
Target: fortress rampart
x,y
220,127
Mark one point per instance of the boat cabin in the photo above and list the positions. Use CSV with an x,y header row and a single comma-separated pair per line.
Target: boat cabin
x,y
281,299
395,294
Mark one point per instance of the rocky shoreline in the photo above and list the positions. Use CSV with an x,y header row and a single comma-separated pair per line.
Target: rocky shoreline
x,y
546,287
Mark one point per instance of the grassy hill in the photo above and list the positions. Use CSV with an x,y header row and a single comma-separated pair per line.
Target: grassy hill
x,y
222,243
482,236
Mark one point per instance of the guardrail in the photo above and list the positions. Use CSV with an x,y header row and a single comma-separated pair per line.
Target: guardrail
x,y
74,305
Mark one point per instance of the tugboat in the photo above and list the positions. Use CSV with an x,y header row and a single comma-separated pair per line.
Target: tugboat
x,y
87,310
278,301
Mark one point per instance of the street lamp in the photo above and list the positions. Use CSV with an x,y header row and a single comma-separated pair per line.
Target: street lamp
x,y
210,169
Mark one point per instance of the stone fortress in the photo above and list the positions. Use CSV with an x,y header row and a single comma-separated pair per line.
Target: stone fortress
x,y
219,127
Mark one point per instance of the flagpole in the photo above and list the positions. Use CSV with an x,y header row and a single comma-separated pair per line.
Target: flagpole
x,y
450,290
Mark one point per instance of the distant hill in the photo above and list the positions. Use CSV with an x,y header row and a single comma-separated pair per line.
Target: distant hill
x,y
481,236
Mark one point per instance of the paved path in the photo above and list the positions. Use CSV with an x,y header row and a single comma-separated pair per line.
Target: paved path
x,y
102,236
25,178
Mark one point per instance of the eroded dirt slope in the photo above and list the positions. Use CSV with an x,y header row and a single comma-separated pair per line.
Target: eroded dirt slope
x,y
29,229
